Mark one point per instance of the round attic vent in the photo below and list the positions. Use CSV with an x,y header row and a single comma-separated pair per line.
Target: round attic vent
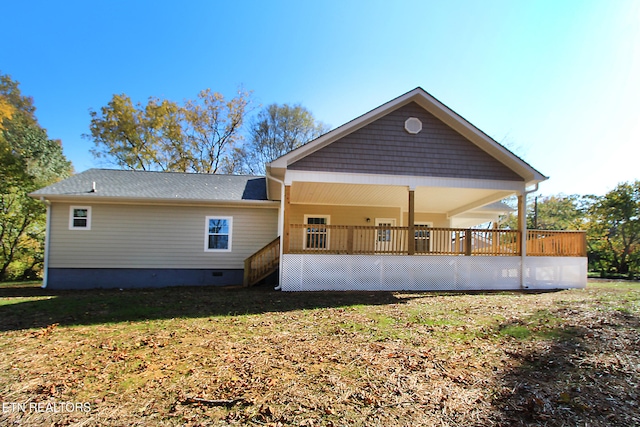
x,y
413,125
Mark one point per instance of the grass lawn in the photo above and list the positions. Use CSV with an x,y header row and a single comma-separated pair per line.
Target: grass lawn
x,y
207,356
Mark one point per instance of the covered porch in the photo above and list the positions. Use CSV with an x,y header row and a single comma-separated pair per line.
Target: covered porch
x,y
337,236
399,198
434,259
425,217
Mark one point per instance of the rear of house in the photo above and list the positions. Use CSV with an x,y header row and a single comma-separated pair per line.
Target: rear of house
x,y
392,200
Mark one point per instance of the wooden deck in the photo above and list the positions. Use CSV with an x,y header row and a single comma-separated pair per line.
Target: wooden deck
x,y
556,243
367,240
373,240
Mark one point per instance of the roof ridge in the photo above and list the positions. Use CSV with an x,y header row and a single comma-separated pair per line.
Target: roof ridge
x,y
172,172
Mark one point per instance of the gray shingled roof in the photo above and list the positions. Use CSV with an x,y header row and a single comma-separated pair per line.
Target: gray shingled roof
x,y
158,185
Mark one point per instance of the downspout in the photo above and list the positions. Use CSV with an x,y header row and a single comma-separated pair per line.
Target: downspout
x,y
281,229
47,233
523,253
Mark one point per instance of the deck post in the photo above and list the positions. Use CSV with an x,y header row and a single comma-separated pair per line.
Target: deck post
x,y
247,272
286,229
522,223
411,234
495,237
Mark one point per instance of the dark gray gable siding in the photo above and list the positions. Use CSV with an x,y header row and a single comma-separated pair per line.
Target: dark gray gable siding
x,y
384,147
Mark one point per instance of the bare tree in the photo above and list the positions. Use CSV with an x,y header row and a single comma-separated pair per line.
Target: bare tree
x,y
278,129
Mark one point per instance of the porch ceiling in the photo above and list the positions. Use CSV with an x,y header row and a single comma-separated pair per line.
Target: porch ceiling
x,y
451,201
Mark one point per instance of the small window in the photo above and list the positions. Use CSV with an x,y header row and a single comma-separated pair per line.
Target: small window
x,y
80,218
218,234
413,125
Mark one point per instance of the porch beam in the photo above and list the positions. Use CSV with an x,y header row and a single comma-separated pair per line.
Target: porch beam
x,y
411,235
478,203
402,180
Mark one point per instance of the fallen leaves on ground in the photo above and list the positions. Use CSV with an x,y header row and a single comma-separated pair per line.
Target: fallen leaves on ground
x,y
335,359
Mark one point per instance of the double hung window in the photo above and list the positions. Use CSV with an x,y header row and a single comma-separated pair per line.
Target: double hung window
x,y
218,234
80,218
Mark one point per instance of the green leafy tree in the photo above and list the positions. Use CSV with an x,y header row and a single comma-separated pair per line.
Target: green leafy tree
x,y
559,212
28,160
613,232
278,129
199,136
556,212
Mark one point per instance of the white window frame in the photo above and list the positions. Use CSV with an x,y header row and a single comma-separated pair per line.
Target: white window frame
x,y
327,232
429,237
386,237
72,226
207,234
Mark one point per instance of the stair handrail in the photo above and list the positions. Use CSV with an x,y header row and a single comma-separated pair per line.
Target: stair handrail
x,y
262,263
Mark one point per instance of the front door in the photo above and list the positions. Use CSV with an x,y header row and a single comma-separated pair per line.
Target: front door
x,y
423,237
316,234
385,235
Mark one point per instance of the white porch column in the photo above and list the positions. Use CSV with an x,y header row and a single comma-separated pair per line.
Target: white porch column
x,y
522,226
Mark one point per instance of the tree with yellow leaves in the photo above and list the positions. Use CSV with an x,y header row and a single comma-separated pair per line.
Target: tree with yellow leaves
x,y
28,160
199,136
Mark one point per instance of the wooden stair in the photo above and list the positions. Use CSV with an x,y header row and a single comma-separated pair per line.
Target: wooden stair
x,y
263,263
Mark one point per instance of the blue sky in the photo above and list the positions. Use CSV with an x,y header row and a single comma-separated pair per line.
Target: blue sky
x,y
558,82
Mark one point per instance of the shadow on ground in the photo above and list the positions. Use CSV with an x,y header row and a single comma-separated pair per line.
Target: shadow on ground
x,y
24,306
28,306
586,375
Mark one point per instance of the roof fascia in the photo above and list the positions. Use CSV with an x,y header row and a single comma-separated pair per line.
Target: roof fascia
x,y
159,201
275,178
479,138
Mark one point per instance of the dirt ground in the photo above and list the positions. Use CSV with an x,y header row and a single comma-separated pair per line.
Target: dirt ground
x,y
258,357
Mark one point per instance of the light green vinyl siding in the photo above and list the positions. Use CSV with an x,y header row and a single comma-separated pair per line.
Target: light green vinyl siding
x,y
132,236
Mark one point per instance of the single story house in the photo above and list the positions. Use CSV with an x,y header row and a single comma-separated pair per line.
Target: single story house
x,y
392,200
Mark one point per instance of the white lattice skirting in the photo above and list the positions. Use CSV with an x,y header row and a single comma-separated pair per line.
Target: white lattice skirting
x,y
429,273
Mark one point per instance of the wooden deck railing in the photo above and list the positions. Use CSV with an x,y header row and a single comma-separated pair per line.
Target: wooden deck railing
x,y
558,243
262,263
344,239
